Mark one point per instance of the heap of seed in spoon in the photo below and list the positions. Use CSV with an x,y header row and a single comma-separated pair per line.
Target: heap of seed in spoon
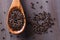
x,y
15,19
42,22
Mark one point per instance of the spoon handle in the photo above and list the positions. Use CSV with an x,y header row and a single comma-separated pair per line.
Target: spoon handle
x,y
16,3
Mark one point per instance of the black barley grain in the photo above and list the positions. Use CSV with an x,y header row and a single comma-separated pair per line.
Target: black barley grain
x,y
33,7
41,7
9,32
4,12
0,22
3,37
18,36
2,29
11,35
54,18
52,23
32,3
51,31
46,1
37,2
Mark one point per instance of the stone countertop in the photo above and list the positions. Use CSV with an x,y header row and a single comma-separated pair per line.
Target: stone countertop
x,y
52,6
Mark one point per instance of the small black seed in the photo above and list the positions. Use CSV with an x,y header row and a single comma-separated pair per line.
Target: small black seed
x,y
37,2
49,15
2,29
11,35
32,3
9,32
52,23
33,7
3,37
41,7
18,36
46,1
51,31
4,12
44,12
0,22
54,18
40,13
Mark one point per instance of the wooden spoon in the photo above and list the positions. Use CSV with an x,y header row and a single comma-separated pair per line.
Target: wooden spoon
x,y
16,4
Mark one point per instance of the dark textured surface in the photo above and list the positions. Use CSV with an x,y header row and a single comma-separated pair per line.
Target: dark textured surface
x,y
31,7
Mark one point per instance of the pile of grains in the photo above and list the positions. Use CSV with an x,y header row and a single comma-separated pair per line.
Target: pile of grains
x,y
15,19
41,22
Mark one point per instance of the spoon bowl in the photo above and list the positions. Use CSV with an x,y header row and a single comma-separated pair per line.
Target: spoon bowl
x,y
16,20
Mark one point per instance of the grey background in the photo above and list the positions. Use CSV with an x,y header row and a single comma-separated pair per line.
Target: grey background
x,y
53,7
